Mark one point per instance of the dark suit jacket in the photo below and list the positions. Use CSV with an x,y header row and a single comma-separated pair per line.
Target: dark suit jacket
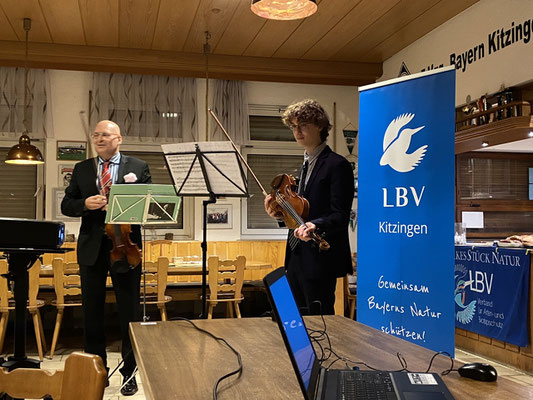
x,y
330,191
83,185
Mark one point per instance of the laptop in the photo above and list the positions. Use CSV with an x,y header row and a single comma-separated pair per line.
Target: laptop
x,y
317,383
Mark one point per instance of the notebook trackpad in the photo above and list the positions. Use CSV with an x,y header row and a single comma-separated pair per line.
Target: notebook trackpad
x,y
424,396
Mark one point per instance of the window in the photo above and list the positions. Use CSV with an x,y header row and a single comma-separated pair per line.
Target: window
x,y
497,184
160,175
272,151
269,128
18,188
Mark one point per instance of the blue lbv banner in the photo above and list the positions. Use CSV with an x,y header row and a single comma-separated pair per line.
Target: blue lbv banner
x,y
491,292
405,233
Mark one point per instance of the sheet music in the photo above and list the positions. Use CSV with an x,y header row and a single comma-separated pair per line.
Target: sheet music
x,y
222,168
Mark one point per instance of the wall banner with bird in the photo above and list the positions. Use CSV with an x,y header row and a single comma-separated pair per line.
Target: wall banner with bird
x,y
491,292
405,233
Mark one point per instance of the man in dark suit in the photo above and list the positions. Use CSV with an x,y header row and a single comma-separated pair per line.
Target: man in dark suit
x,y
86,197
327,182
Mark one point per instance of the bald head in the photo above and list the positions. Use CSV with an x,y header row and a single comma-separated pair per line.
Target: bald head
x,y
107,139
107,126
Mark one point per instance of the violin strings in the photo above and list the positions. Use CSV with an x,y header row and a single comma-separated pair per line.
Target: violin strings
x,y
289,208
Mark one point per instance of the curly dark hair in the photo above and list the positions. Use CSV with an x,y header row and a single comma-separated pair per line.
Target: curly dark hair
x,y
307,112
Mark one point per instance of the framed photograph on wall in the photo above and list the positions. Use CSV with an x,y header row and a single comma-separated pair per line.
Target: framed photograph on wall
x,y
71,150
219,216
57,198
65,174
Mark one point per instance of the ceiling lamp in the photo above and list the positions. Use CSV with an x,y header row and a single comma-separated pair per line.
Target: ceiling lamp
x,y
284,9
25,153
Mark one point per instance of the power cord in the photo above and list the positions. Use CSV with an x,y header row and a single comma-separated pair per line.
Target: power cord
x,y
319,335
238,371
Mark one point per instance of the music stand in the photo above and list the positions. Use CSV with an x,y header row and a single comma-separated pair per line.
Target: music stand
x,y
209,169
19,261
145,205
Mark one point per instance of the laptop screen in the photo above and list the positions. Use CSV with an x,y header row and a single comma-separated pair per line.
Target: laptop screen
x,y
296,333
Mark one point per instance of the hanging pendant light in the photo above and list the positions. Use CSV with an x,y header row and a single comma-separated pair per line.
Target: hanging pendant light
x,y
25,153
284,9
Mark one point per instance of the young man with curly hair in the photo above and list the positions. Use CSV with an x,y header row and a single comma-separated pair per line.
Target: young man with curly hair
x,y
326,181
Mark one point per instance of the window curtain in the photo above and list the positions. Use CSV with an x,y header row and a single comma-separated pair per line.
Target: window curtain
x,y
12,102
147,108
230,104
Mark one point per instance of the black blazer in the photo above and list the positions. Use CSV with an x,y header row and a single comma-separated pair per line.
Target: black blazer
x,y
83,185
330,191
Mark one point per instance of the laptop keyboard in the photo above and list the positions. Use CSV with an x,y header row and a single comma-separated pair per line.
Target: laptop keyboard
x,y
359,385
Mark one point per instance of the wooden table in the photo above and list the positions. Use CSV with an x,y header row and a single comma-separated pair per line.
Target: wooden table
x,y
194,268
178,362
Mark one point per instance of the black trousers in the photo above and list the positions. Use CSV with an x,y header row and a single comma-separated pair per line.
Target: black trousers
x,y
313,295
127,292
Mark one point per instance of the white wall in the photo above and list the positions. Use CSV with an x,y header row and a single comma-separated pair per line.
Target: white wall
x,y
511,65
69,100
68,96
268,93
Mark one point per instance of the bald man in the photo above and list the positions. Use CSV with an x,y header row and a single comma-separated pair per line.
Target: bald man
x,y
86,197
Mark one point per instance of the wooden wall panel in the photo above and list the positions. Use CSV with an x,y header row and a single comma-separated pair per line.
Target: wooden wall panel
x,y
417,28
352,25
7,32
207,20
17,10
64,21
271,36
173,24
387,26
241,30
100,20
313,29
137,23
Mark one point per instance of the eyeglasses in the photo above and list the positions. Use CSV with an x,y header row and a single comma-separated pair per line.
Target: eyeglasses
x,y
105,135
297,127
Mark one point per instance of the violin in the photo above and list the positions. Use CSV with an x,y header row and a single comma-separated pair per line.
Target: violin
x,y
123,247
291,206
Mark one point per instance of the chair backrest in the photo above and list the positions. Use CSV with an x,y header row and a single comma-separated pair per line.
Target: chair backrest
x,y
67,281
6,295
226,277
83,378
159,248
156,277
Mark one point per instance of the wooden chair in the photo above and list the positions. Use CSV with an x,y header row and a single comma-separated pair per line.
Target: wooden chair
x,y
226,278
67,285
7,303
159,248
156,274
350,294
350,288
84,378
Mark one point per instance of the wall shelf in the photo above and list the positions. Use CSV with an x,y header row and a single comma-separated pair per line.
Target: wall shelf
x,y
471,132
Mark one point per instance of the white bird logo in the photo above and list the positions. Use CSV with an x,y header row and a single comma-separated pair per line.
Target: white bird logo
x,y
396,143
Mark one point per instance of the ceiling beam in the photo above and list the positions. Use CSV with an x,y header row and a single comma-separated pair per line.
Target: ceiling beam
x,y
110,59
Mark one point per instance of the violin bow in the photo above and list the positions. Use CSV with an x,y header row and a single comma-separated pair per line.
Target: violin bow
x,y
238,152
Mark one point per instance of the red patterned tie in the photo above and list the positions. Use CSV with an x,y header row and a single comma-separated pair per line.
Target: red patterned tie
x,y
105,180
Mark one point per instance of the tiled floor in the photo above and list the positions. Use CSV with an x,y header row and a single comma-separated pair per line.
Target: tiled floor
x,y
114,357
511,373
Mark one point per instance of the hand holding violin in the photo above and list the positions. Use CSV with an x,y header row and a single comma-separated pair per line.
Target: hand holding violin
x,y
304,232
272,208
95,202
